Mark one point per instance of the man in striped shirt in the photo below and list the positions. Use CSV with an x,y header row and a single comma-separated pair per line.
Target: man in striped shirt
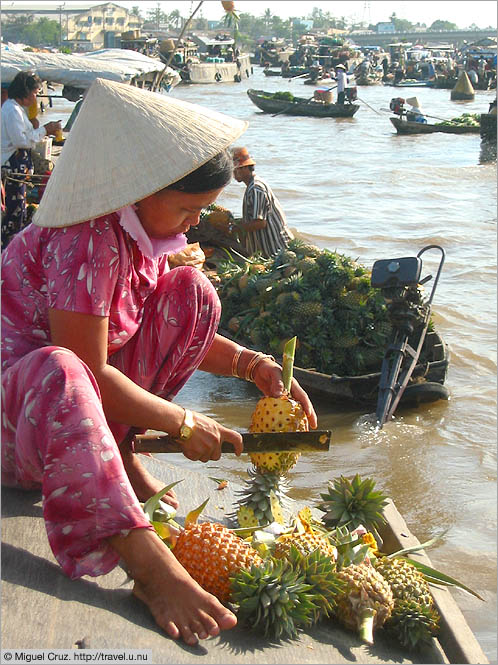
x,y
263,228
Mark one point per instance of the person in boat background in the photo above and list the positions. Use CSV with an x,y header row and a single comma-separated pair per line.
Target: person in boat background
x,y
342,81
19,136
99,336
414,113
263,228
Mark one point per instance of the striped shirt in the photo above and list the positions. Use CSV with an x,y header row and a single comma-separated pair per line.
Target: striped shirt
x,y
260,203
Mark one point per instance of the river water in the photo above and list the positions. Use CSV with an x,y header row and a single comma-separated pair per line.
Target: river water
x,y
355,186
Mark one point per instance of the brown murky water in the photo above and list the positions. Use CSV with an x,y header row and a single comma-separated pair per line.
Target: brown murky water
x,y
355,186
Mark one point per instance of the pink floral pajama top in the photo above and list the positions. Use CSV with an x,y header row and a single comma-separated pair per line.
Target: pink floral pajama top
x,y
54,432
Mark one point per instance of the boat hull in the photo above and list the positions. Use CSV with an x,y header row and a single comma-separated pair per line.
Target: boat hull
x,y
223,72
303,107
408,127
362,390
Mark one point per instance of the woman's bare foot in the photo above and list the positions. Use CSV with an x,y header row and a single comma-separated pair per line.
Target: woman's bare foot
x,y
178,604
143,483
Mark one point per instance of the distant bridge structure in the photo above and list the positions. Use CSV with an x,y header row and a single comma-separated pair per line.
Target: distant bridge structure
x,y
455,38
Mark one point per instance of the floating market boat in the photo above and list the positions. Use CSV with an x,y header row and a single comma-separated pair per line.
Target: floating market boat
x,y
411,84
410,127
300,106
100,613
272,72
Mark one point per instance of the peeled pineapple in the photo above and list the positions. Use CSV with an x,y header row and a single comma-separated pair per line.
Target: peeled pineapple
x,y
277,414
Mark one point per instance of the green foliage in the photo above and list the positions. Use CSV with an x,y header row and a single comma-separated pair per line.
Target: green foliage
x,y
35,33
443,25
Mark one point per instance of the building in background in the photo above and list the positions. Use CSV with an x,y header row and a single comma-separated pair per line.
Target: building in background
x,y
84,28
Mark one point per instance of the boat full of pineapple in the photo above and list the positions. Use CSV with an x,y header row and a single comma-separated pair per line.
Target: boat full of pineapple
x,y
325,299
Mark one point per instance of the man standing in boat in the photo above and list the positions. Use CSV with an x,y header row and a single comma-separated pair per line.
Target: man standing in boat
x,y
263,228
342,80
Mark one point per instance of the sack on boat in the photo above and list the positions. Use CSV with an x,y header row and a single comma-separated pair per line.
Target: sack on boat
x,y
192,255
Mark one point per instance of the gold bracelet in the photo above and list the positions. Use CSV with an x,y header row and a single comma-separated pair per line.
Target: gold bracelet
x,y
254,362
235,361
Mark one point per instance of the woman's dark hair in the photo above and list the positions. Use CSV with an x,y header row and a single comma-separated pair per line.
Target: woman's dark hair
x,y
214,174
23,84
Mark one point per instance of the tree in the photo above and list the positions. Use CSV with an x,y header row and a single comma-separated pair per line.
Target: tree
x,y
175,18
400,24
267,18
35,33
157,16
443,25
135,11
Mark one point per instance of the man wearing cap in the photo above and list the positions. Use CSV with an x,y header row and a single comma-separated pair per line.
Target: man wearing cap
x,y
342,81
263,225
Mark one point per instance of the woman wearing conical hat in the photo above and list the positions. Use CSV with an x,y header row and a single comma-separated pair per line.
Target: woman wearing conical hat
x,y
99,336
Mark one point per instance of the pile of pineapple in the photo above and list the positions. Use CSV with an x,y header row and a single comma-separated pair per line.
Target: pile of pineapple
x,y
283,574
327,570
323,297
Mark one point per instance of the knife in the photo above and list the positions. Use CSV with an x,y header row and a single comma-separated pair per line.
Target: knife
x,y
254,442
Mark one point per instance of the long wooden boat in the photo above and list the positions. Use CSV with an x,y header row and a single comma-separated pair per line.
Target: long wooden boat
x,y
44,609
300,106
426,382
272,72
410,127
427,83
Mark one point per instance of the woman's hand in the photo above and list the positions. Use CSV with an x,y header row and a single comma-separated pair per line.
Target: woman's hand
x,y
208,435
52,127
268,378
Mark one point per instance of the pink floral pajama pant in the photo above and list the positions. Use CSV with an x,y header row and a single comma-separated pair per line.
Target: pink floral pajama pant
x,y
55,434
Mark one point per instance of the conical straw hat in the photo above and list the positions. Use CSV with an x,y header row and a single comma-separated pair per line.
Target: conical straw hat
x,y
126,144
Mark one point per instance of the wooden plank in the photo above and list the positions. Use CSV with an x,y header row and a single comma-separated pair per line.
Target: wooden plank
x,y
42,608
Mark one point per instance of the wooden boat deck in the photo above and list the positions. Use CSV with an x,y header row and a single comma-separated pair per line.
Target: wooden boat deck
x,y
43,609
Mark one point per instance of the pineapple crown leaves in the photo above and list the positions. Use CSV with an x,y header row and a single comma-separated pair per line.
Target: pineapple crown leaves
x,y
412,624
353,503
351,549
273,598
153,504
319,572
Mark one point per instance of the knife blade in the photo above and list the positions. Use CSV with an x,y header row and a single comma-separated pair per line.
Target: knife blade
x,y
254,442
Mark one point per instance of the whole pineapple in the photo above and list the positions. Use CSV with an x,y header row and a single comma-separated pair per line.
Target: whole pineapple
x,y
414,620
406,581
366,602
211,553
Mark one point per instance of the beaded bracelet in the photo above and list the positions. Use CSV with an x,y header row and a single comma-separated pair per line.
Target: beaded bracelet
x,y
235,361
254,362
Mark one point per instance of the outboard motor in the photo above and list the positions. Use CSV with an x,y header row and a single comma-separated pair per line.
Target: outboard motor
x,y
351,94
397,105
